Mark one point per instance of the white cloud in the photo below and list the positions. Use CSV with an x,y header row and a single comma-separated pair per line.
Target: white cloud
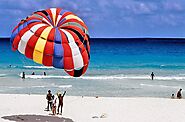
x,y
115,13
173,6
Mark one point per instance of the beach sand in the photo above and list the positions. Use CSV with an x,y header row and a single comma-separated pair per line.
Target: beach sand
x,y
92,109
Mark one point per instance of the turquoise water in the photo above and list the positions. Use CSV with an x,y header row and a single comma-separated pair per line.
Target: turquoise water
x,y
118,67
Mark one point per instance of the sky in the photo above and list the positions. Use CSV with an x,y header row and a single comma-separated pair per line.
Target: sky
x,y
106,18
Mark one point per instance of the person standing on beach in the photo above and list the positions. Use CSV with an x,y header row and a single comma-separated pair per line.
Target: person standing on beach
x,y
49,100
44,73
152,76
179,94
60,104
23,75
33,73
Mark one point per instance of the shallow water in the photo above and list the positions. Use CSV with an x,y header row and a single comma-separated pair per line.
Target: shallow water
x,y
117,68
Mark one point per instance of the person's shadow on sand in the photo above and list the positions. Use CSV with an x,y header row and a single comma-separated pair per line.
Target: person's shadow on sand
x,y
36,118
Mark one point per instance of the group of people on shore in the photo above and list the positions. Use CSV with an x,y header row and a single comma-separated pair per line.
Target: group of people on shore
x,y
52,102
179,92
178,96
33,73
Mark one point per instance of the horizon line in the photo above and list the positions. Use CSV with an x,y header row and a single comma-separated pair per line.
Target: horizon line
x,y
181,38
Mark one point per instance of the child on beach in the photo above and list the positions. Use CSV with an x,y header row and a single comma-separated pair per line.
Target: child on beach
x,y
54,105
173,96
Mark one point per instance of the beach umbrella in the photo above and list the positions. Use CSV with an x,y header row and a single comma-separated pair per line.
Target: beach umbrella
x,y
54,37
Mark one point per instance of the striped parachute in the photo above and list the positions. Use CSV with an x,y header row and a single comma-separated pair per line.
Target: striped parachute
x,y
54,37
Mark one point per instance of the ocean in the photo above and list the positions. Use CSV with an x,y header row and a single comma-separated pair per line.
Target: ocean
x,y
118,68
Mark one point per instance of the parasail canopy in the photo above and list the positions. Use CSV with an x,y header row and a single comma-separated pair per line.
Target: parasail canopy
x,y
54,37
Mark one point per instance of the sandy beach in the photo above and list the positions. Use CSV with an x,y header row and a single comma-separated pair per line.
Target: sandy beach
x,y
101,109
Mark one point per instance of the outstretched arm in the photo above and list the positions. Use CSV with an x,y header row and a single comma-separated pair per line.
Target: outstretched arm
x,y
64,93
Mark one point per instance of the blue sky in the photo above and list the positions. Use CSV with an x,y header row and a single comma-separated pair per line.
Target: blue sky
x,y
107,18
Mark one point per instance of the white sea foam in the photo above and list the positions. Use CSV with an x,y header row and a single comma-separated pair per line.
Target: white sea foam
x,y
38,67
163,86
14,87
65,86
2,75
141,77
105,77
38,86
46,77
53,85
170,78
61,86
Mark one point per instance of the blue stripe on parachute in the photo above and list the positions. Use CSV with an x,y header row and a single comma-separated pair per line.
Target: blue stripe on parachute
x,y
33,20
62,13
24,24
13,35
19,28
58,51
50,19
